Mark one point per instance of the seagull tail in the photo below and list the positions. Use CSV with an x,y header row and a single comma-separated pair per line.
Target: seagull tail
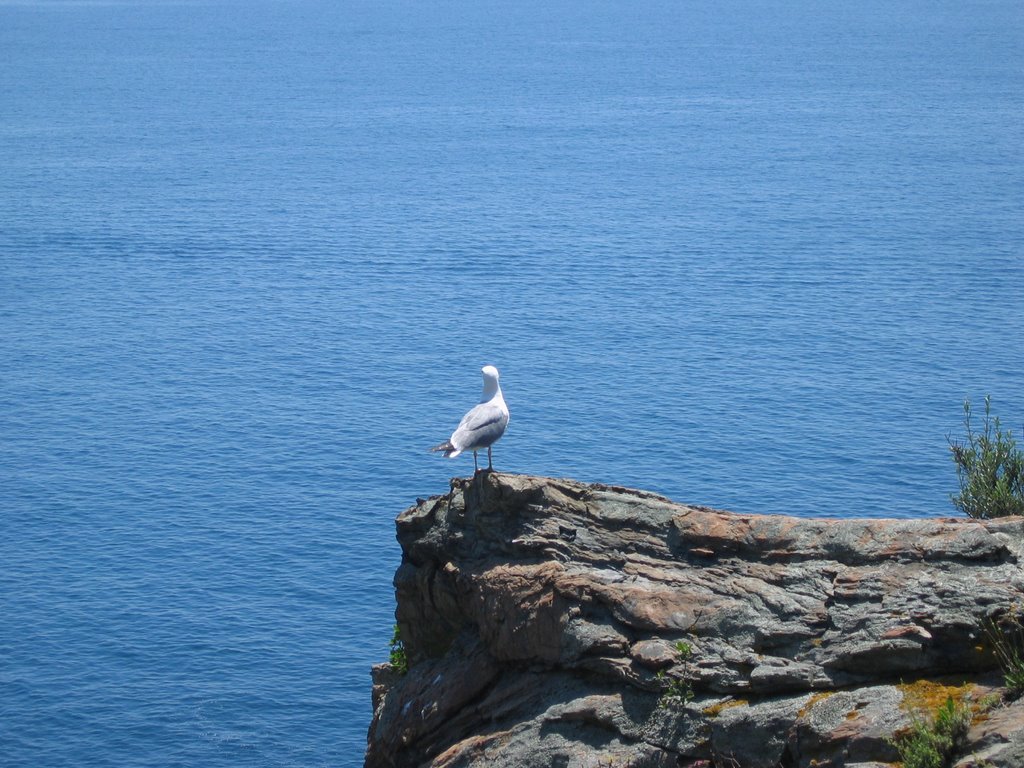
x,y
450,451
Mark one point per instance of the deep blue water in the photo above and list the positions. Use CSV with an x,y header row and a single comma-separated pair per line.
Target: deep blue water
x,y
751,254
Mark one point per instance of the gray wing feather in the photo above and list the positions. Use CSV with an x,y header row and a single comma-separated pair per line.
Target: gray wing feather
x,y
479,428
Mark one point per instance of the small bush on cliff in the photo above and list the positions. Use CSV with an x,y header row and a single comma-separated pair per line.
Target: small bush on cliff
x,y
931,742
990,468
677,691
399,662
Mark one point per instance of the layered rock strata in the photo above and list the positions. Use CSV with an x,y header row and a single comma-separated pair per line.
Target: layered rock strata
x,y
552,623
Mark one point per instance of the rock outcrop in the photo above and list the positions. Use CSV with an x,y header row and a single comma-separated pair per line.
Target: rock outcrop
x,y
551,623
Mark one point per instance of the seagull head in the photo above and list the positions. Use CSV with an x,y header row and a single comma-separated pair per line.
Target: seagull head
x,y
491,387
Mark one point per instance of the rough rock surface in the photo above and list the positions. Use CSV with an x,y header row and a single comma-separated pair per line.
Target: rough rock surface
x,y
551,623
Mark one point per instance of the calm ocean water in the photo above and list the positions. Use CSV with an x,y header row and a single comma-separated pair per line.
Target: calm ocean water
x,y
751,254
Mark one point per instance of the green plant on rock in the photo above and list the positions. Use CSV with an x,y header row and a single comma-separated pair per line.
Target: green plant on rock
x,y
932,742
399,661
990,468
1006,639
677,691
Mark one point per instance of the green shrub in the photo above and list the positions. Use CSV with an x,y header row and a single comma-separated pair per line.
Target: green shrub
x,y
931,742
677,691
399,662
990,468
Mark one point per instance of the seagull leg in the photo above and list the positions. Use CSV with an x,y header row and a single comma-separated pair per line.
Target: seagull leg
x,y
489,465
475,467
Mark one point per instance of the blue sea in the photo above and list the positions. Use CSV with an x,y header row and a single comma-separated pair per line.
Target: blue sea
x,y
745,253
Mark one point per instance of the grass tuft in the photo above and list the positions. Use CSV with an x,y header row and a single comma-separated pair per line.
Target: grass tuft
x,y
1006,639
932,742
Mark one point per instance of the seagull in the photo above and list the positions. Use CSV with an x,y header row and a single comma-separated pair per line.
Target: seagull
x,y
483,425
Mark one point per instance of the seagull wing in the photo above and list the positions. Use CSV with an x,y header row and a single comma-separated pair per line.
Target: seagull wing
x,y
484,424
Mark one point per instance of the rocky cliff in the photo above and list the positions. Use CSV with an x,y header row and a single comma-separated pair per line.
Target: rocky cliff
x,y
551,623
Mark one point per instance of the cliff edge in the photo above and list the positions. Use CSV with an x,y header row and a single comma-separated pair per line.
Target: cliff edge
x,y
552,623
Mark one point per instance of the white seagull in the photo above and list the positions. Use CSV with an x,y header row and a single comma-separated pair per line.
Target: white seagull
x,y
483,425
